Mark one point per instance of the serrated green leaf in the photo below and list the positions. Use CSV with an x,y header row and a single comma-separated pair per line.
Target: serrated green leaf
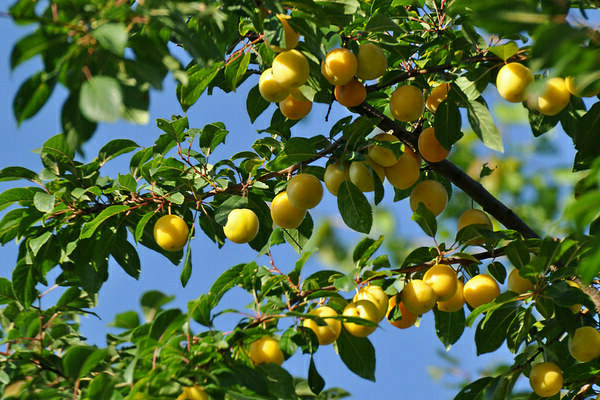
x,y
482,123
101,99
449,326
32,95
112,36
44,202
358,354
88,229
354,207
198,80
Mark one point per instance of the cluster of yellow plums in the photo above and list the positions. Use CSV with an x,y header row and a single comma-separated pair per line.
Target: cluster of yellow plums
x,y
514,78
344,70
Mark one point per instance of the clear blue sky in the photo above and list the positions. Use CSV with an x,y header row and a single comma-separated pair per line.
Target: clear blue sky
x,y
403,356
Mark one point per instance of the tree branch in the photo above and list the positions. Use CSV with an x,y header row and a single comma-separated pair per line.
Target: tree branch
x,y
457,176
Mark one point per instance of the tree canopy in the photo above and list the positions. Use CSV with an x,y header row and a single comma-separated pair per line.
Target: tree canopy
x,y
417,78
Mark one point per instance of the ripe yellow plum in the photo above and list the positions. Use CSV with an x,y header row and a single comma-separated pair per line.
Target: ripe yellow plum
x,y
266,350
241,226
292,108
193,393
171,232
404,173
408,318
442,279
512,81
334,176
418,297
430,148
270,89
432,194
437,95
584,345
361,309
351,94
340,66
546,379
290,35
326,334
375,295
304,191
474,217
480,289
290,69
575,88
381,155
518,284
407,103
555,97
455,302
361,176
284,214
372,62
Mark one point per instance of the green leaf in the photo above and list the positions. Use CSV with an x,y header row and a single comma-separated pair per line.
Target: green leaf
x,y
492,330
497,270
315,381
126,320
152,302
519,328
16,173
211,136
101,99
586,143
32,95
141,225
345,283
127,257
474,390
358,354
226,281
449,326
426,220
16,195
112,36
354,208
234,71
295,150
365,249
297,238
166,324
518,253
44,202
24,281
447,124
255,104
6,292
79,361
115,148
88,229
29,46
77,129
482,123
102,387
541,123
198,80
186,271
505,51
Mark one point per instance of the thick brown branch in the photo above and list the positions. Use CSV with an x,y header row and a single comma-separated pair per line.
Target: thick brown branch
x,y
458,177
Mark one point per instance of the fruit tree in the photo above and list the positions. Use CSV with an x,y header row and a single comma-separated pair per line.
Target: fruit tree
x,y
405,99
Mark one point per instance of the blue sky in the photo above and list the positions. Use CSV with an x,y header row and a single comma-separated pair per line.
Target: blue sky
x,y
403,356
